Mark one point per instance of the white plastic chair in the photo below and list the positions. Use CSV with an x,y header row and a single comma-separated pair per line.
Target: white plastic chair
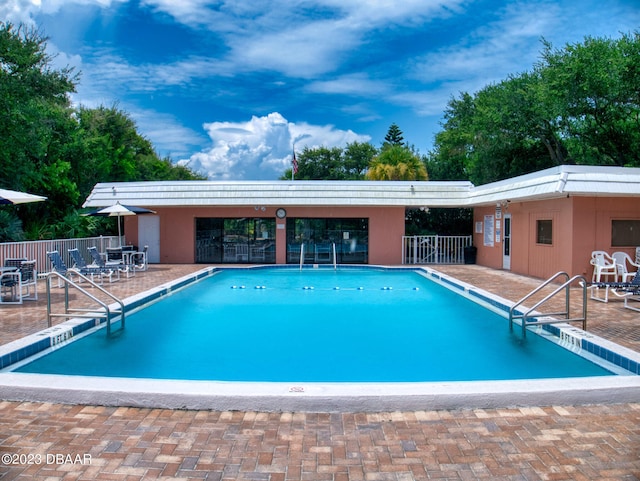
x,y
603,266
622,260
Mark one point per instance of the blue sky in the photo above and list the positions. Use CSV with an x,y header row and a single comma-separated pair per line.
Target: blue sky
x,y
229,86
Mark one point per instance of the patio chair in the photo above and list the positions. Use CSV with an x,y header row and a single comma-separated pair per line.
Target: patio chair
x,y
99,262
242,252
603,266
230,253
257,253
323,253
116,258
29,279
139,259
622,260
10,291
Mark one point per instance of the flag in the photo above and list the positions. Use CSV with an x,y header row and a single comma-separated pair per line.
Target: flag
x,y
294,163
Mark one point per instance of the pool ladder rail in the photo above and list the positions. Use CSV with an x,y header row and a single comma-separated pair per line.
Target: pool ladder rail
x,y
333,250
547,318
107,313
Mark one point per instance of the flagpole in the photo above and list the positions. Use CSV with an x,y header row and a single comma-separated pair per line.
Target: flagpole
x,y
294,163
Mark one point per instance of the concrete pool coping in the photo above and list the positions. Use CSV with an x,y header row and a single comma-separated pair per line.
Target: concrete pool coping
x,y
315,397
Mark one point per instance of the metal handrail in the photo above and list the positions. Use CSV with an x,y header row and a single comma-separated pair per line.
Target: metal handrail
x,y
108,314
566,286
301,255
335,265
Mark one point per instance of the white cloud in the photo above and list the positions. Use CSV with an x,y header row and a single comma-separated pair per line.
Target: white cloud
x,y
355,84
283,36
19,11
22,11
168,136
505,47
261,148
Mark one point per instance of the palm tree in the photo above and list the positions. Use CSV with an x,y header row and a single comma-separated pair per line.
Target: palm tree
x,y
397,163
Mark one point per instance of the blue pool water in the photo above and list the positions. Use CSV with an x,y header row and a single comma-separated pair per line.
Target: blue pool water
x,y
315,325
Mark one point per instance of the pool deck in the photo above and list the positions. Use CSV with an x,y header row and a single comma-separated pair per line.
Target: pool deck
x,y
554,442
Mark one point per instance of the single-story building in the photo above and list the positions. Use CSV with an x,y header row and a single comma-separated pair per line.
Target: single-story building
x,y
536,224
550,221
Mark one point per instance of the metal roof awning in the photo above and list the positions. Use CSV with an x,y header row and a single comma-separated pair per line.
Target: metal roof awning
x,y
556,182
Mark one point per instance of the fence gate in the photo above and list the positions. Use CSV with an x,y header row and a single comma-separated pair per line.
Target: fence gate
x,y
434,249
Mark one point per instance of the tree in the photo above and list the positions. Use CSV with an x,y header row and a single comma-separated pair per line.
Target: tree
x,y
35,122
394,136
454,144
598,84
397,163
49,148
356,158
323,163
579,105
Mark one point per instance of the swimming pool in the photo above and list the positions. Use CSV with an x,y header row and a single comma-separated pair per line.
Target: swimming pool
x,y
345,348
313,325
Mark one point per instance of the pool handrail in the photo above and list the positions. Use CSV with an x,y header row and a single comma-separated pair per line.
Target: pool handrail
x,y
335,266
69,313
566,285
301,255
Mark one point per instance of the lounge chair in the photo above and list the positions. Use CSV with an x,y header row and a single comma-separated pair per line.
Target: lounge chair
x,y
622,261
58,265
98,261
91,270
603,266
626,290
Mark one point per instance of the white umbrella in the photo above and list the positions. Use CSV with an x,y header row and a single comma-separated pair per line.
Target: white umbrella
x,y
14,197
118,210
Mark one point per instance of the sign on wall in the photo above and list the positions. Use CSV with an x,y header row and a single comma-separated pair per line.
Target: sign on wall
x,y
488,230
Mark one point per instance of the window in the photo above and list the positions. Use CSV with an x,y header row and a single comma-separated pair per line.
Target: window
x,y
544,232
319,236
625,233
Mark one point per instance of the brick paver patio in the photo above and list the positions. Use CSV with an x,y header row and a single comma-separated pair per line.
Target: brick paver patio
x,y
54,441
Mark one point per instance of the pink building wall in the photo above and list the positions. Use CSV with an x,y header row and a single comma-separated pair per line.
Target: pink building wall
x,y
580,226
177,229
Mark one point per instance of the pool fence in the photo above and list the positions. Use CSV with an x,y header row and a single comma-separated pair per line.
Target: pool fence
x,y
435,249
37,250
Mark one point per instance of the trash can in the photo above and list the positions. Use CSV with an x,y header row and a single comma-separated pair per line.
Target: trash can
x,y
470,253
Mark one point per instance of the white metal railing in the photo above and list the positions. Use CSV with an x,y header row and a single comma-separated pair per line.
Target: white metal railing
x,y
335,264
434,249
37,250
549,317
108,314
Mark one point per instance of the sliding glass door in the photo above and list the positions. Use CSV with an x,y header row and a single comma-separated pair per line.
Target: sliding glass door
x,y
319,236
235,240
